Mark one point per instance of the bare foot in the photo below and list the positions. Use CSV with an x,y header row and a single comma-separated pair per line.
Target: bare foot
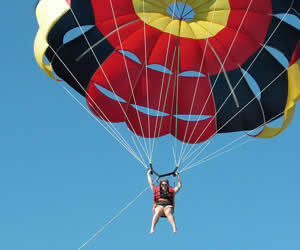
x,y
175,231
152,231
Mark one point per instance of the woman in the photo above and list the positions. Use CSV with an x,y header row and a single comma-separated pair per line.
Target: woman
x,y
163,201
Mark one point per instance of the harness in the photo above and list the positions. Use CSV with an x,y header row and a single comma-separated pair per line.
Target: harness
x,y
156,195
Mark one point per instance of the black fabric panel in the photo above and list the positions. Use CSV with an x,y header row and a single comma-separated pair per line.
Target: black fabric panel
x,y
264,70
84,14
83,10
249,118
295,13
284,39
84,68
282,6
296,6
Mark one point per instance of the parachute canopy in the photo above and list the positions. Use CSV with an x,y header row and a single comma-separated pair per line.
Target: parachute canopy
x,y
190,68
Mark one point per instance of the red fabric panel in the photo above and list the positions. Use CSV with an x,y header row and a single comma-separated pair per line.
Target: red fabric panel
x,y
166,45
213,65
191,56
233,56
135,42
203,101
124,13
105,10
115,71
98,102
255,24
124,32
195,130
264,7
160,91
144,125
157,126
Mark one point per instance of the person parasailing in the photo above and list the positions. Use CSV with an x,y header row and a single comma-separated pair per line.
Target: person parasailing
x,y
163,197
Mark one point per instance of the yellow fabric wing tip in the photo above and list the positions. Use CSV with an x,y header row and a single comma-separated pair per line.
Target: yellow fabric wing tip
x,y
40,47
48,12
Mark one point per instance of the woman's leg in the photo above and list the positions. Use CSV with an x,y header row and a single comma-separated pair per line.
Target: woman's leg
x,y
157,213
169,213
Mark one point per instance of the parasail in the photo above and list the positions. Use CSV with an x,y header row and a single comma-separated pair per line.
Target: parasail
x,y
189,68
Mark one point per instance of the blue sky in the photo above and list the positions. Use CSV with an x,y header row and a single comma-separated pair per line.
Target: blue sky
x,y
62,177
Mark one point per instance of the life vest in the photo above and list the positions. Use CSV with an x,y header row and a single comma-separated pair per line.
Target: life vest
x,y
156,195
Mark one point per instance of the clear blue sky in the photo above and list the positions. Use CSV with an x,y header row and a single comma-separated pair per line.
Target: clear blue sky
x,y
62,177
